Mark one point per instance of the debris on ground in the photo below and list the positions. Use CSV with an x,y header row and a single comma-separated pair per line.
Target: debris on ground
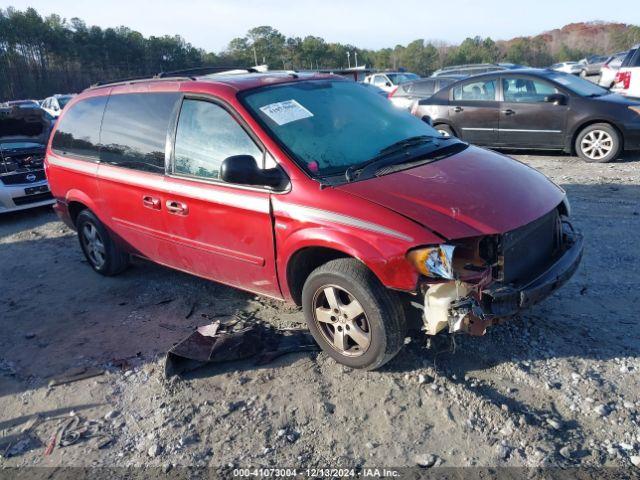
x,y
209,344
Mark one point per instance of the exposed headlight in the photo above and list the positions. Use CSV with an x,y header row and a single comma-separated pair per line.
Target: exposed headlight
x,y
434,262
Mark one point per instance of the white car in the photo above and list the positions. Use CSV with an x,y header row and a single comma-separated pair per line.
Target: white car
x,y
54,105
627,80
567,67
610,69
389,81
23,137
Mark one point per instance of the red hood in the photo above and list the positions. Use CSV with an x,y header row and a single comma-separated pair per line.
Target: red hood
x,y
472,193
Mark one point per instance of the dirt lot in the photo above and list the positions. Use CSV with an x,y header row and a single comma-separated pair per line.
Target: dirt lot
x,y
558,386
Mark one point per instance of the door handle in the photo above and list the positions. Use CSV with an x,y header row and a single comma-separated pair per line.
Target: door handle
x,y
458,109
508,111
151,202
177,208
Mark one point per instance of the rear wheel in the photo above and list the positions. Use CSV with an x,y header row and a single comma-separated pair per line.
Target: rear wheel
x,y
444,130
104,256
599,142
352,316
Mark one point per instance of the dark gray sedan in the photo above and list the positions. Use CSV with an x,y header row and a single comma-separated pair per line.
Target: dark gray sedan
x,y
409,92
535,109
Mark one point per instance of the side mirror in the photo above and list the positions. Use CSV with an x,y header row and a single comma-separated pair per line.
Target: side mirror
x,y
243,170
556,99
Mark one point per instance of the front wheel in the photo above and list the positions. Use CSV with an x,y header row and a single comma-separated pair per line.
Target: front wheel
x,y
599,142
352,316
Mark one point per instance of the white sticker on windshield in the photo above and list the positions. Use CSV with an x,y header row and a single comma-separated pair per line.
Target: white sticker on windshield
x,y
286,112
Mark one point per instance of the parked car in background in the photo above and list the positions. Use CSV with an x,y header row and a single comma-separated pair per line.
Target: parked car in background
x,y
388,81
53,105
312,189
20,104
474,69
610,69
533,108
23,136
567,67
406,94
592,65
627,80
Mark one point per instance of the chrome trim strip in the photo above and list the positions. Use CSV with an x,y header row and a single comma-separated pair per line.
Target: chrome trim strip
x,y
302,212
511,130
528,130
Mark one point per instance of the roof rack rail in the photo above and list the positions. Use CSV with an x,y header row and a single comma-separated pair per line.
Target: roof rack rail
x,y
202,71
186,74
102,83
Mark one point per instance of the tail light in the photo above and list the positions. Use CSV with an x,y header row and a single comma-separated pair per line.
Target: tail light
x,y
624,78
395,89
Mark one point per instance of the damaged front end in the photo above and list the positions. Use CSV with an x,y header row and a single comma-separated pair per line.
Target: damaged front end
x,y
23,136
478,282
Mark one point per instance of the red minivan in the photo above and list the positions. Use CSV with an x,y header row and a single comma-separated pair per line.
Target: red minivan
x,y
311,189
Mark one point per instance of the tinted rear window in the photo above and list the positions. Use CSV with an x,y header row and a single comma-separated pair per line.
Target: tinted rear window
x,y
78,131
134,130
424,88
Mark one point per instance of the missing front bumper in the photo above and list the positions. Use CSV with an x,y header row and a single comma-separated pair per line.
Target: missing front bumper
x,y
463,307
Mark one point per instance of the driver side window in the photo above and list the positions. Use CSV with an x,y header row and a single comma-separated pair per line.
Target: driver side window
x,y
526,90
205,136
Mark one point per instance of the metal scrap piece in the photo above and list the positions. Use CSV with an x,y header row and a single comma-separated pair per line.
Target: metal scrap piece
x,y
258,340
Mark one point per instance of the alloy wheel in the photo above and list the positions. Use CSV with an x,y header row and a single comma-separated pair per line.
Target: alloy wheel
x,y
341,320
93,245
596,144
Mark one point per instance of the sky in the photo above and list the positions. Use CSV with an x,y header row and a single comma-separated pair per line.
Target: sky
x,y
367,24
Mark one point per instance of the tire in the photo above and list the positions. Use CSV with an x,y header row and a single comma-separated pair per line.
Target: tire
x,y
444,130
366,311
102,253
605,140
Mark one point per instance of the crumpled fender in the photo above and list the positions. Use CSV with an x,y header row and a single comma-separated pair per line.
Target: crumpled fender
x,y
391,268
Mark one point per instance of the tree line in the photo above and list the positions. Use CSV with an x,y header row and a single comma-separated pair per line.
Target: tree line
x,y
40,55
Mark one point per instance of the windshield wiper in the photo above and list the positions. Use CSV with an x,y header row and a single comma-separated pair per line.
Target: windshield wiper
x,y
407,142
350,173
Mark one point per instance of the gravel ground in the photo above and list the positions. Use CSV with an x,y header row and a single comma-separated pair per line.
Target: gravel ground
x,y
557,386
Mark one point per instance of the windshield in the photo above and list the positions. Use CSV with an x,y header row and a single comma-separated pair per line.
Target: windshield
x,y
330,125
400,78
577,85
